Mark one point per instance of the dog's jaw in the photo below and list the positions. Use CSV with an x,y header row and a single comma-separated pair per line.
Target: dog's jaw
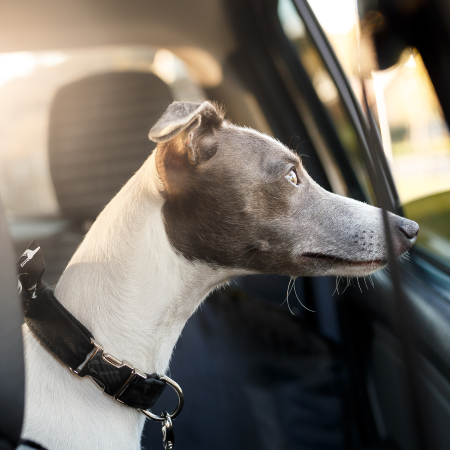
x,y
333,265
135,293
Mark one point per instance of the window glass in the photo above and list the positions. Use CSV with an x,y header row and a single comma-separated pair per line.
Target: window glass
x,y
417,145
414,132
325,88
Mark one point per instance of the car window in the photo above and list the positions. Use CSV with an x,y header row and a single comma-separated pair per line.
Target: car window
x,y
415,135
416,141
311,60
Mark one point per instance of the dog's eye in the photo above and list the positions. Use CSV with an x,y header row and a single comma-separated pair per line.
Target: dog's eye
x,y
292,177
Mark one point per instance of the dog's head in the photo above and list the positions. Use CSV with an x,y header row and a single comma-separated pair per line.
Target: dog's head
x,y
237,198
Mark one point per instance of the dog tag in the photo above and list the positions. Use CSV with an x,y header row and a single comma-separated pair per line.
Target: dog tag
x,y
167,430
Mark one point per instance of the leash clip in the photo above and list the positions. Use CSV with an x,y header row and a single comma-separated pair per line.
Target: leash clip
x,y
167,430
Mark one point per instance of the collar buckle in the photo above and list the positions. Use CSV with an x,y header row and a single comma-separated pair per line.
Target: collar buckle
x,y
109,373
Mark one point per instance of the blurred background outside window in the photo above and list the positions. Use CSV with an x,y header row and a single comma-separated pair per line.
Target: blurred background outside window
x,y
414,132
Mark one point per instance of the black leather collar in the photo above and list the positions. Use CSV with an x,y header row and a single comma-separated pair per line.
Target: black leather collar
x,y
73,344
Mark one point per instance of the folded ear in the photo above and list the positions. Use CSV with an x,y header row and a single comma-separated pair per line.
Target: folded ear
x,y
178,117
185,136
180,130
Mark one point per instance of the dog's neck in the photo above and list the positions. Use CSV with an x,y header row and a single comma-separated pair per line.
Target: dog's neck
x,y
127,285
134,293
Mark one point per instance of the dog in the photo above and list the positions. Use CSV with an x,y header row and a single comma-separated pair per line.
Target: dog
x,y
212,202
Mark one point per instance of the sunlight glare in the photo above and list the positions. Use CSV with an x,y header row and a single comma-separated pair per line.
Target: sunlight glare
x,y
335,16
292,24
23,64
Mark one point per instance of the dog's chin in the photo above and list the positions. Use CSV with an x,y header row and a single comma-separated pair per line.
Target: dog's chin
x,y
329,265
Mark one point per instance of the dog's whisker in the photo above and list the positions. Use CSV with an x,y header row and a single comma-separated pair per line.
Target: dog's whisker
x,y
336,289
289,307
357,280
288,292
365,282
295,291
288,289
303,142
348,284
405,257
291,283
290,140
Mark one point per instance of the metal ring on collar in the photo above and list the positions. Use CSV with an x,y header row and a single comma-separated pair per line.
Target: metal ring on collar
x,y
179,407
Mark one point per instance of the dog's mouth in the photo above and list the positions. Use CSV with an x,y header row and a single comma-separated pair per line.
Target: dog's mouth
x,y
318,258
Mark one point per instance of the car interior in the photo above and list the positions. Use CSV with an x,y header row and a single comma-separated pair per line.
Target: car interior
x,y
331,364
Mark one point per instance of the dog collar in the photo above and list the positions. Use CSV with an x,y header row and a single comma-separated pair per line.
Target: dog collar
x,y
73,344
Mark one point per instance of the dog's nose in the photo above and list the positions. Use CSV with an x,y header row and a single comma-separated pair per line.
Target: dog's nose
x,y
409,228
406,235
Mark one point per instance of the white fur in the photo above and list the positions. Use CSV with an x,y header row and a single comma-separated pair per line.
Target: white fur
x,y
126,284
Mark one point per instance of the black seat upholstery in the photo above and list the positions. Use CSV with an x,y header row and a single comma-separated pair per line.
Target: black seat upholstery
x,y
12,380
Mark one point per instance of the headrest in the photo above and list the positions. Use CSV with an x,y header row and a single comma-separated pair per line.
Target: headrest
x,y
98,136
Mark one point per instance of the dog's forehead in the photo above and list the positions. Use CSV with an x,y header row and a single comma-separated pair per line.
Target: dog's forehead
x,y
253,145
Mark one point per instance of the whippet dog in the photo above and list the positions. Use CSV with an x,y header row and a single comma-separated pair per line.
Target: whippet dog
x,y
212,202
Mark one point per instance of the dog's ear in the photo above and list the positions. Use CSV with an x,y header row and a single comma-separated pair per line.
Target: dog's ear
x,y
185,138
178,117
183,119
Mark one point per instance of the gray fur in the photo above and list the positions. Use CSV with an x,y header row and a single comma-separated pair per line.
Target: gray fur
x,y
234,207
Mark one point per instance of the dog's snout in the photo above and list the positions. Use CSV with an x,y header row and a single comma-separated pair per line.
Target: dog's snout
x,y
409,228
